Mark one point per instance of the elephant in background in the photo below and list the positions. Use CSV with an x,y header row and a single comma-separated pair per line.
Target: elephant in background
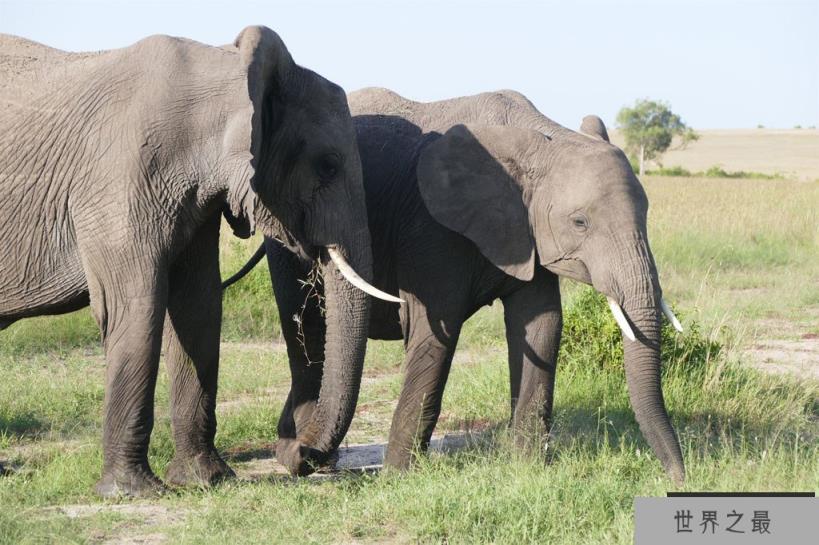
x,y
481,198
115,170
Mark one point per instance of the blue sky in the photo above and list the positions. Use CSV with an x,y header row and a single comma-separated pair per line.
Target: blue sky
x,y
720,63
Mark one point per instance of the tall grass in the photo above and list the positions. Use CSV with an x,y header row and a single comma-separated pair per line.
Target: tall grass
x,y
737,250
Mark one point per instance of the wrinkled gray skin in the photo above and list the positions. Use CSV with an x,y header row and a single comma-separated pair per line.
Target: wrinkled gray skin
x,y
463,215
115,169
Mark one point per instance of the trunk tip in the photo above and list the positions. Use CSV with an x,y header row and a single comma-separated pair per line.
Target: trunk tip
x,y
677,474
299,459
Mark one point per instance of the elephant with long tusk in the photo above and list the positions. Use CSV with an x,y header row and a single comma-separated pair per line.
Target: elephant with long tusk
x,y
481,198
116,168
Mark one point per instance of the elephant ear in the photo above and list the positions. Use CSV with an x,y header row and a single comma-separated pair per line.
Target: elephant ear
x,y
475,180
593,126
265,62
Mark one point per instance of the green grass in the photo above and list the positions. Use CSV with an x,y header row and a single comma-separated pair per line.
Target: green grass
x,y
733,256
249,308
736,252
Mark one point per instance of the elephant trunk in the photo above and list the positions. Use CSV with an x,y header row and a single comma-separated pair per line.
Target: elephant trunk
x,y
641,300
347,319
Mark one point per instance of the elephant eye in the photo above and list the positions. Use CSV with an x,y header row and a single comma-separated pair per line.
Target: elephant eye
x,y
580,222
327,167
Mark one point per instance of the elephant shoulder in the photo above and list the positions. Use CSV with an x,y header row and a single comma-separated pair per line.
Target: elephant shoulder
x,y
162,53
388,146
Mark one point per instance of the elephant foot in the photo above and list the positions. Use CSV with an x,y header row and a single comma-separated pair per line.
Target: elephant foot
x,y
138,482
203,469
399,458
298,458
531,440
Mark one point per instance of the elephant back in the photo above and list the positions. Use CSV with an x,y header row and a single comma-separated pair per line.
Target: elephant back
x,y
24,64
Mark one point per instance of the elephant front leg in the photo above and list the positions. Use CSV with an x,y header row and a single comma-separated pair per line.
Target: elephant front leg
x,y
533,319
192,328
131,324
427,364
303,326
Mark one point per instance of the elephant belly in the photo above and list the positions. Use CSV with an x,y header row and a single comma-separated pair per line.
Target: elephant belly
x,y
40,287
385,324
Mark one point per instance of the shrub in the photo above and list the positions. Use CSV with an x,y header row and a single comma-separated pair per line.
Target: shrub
x,y
670,171
717,172
635,164
591,337
713,172
248,306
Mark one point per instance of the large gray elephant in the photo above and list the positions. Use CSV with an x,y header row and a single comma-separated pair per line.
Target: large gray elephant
x,y
479,198
116,168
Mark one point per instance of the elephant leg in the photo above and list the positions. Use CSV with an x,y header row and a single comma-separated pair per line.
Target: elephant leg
x,y
303,329
430,345
192,328
534,321
129,309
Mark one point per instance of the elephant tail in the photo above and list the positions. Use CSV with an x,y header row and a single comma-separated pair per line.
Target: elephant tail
x,y
241,273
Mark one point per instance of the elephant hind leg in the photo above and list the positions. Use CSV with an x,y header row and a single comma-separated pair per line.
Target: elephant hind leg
x,y
132,331
128,293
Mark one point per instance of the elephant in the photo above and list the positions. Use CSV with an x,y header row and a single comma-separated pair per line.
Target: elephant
x,y
480,198
116,168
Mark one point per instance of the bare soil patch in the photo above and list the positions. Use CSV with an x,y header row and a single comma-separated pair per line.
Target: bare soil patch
x,y
788,346
797,357
146,530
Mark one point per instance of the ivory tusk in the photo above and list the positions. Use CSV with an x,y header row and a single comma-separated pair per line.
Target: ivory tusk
x,y
620,318
352,277
670,315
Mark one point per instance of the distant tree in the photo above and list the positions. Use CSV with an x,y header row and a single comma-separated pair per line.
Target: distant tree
x,y
649,127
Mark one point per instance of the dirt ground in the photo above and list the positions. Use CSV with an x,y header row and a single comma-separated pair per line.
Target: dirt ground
x,y
792,346
799,357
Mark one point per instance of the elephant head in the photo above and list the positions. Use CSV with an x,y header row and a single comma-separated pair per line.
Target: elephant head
x,y
295,174
568,202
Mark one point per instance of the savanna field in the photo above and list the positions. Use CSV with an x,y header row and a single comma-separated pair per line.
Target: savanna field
x,y
738,260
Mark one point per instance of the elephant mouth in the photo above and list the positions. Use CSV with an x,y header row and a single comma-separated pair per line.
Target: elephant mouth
x,y
295,240
571,268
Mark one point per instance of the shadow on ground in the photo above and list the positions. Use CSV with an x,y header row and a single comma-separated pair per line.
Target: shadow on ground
x,y
22,425
259,463
574,428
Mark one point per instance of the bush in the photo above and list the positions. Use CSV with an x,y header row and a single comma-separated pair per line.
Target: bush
x,y
671,171
248,306
635,164
717,172
713,172
591,337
